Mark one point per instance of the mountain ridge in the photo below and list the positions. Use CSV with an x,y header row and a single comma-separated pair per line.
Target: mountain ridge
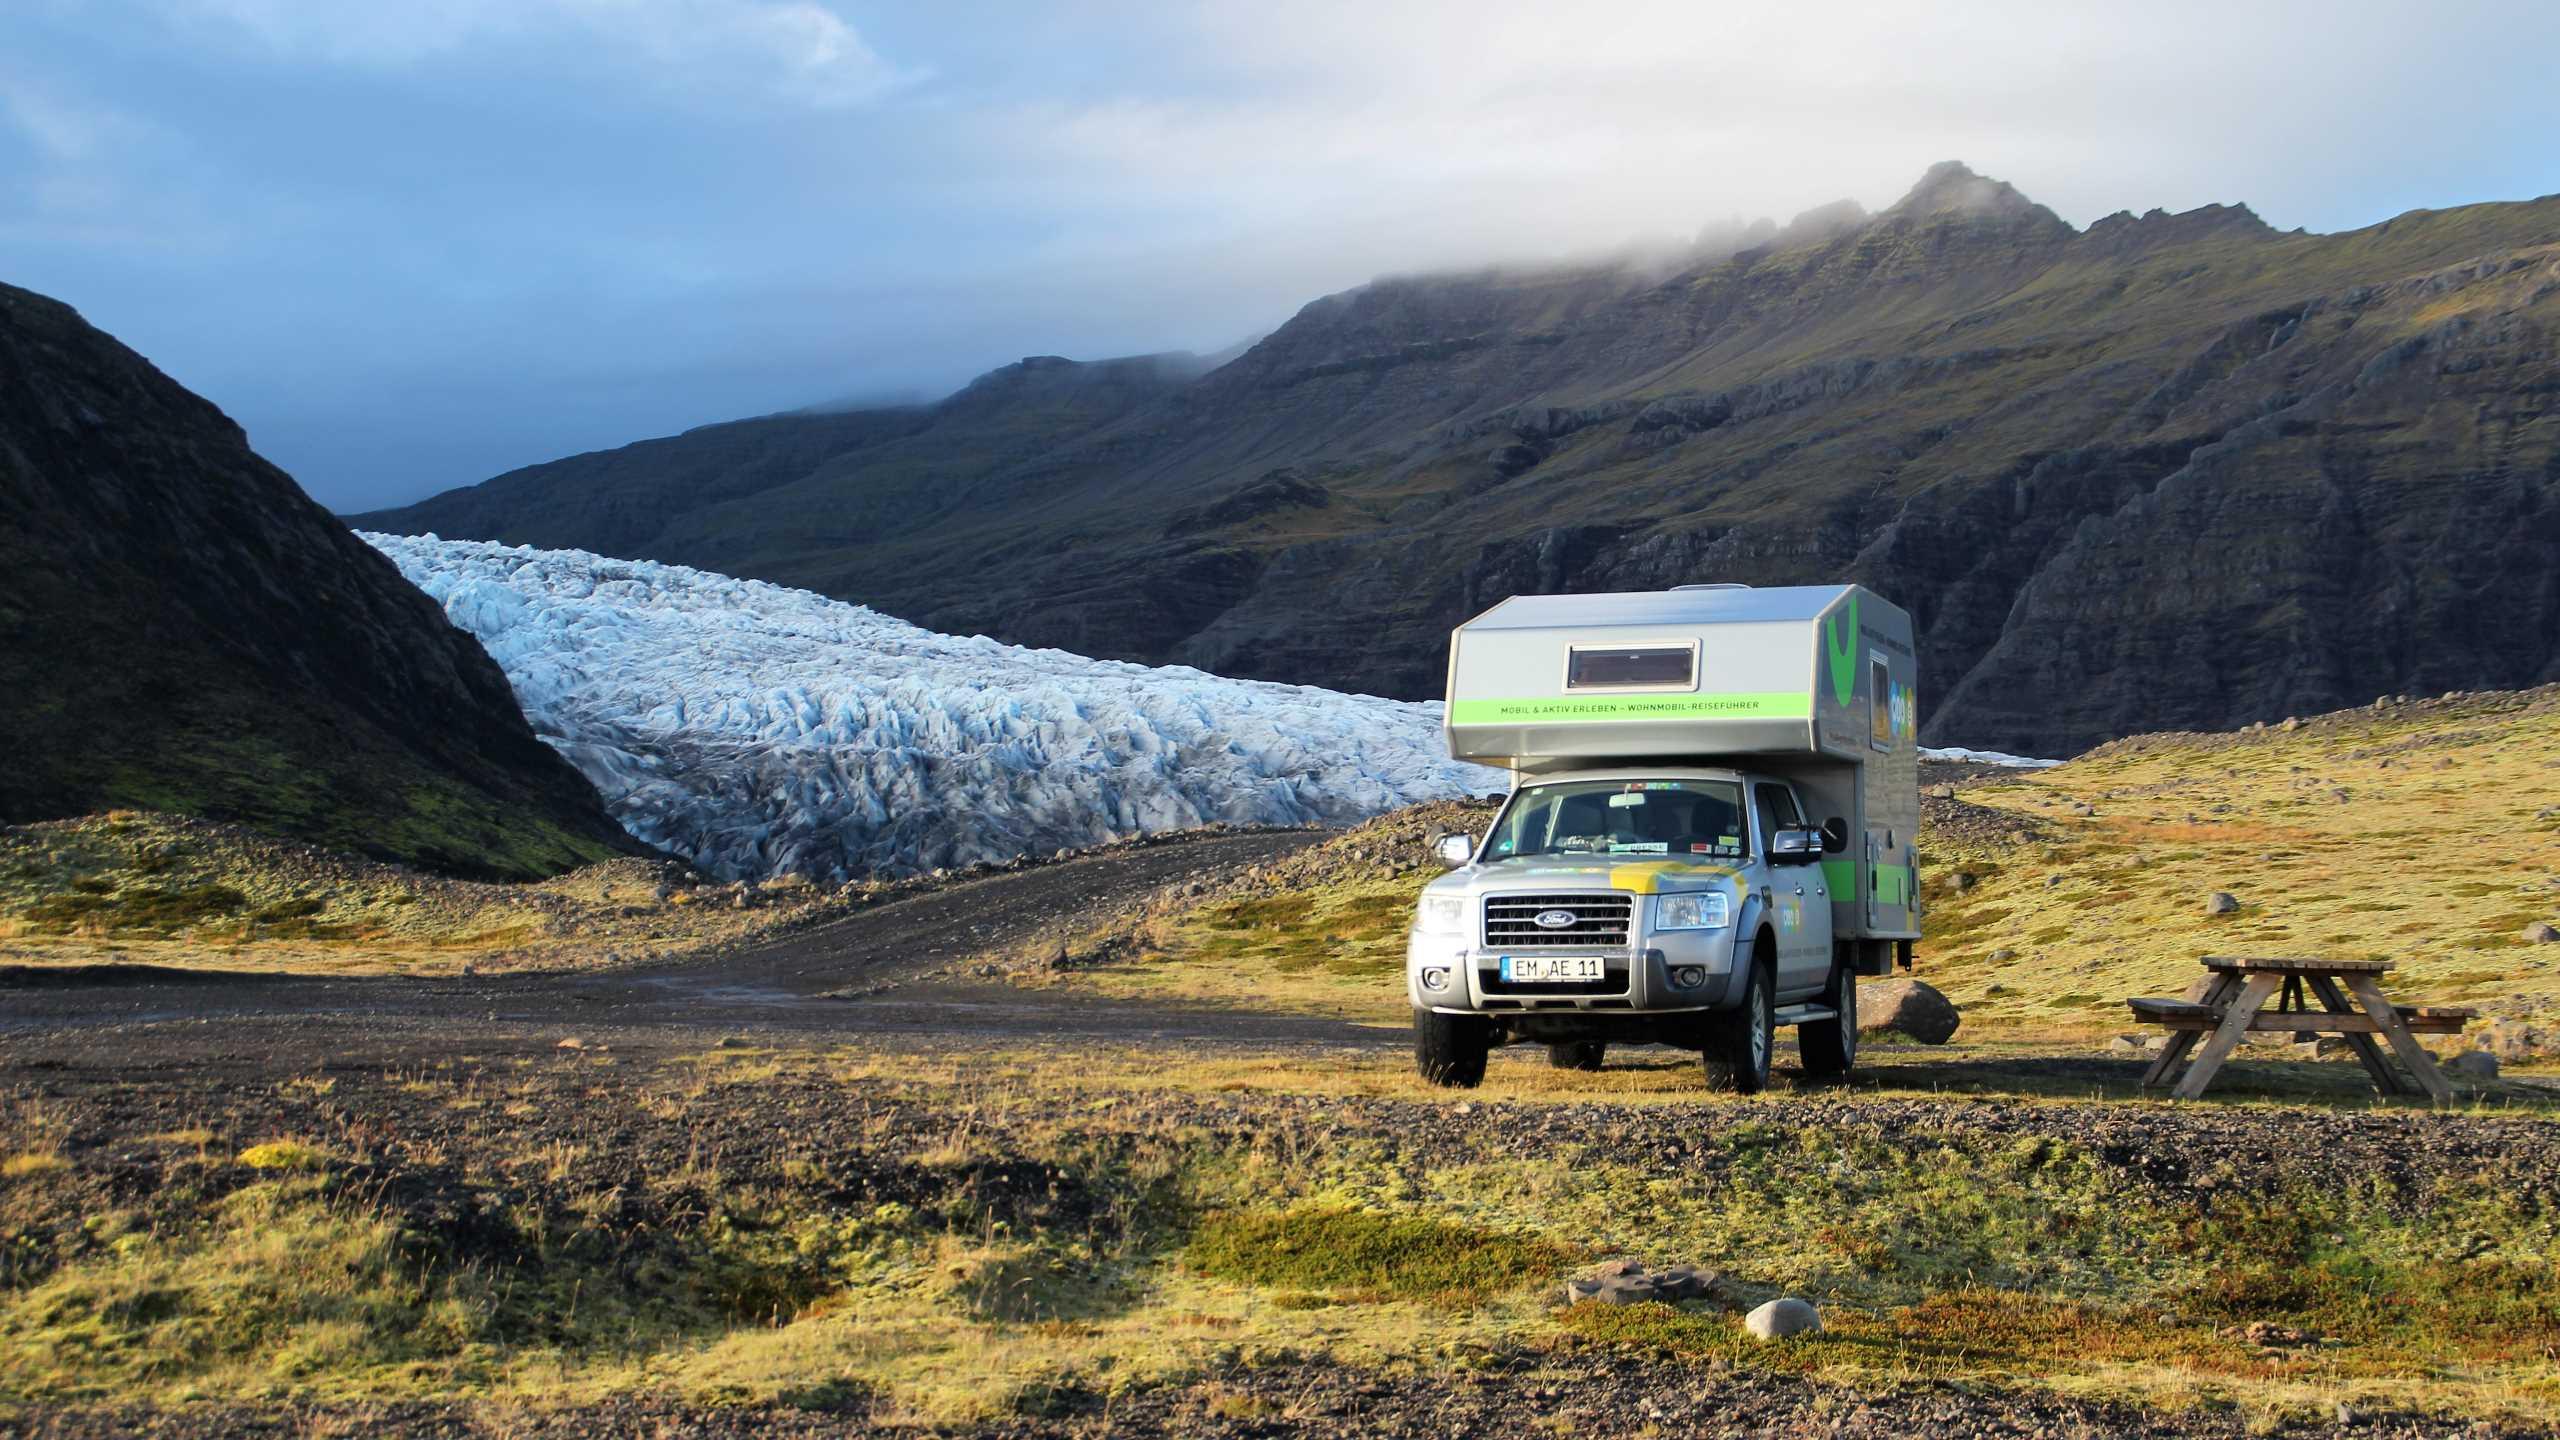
x,y
183,630
1960,399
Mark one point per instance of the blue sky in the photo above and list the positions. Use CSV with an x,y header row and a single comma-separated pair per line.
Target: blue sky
x,y
414,243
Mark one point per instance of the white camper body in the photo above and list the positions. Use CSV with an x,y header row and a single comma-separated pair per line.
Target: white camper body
x,y
1670,752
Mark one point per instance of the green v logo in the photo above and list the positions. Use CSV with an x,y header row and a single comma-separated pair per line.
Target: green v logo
x,y
1842,652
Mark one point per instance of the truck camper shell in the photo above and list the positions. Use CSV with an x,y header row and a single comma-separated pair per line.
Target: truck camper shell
x,y
1816,684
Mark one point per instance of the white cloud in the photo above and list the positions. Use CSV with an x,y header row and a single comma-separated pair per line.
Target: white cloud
x,y
795,50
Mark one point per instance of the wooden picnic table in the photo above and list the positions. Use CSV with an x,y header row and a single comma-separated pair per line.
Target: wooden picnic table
x,y
2235,1004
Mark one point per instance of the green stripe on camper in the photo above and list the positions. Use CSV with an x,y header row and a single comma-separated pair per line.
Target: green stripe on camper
x,y
1563,710
1840,877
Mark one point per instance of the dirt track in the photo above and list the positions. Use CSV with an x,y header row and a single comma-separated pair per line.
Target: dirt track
x,y
857,975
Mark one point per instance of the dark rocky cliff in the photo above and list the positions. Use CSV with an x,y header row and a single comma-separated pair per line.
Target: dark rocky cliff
x,y
182,629
2173,471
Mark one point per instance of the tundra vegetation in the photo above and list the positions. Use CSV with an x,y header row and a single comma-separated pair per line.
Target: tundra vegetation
x,y
934,1235
920,1231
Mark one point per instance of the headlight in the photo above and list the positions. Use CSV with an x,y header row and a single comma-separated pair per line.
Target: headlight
x,y
1444,914
1709,911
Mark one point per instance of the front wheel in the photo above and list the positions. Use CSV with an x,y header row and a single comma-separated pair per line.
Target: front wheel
x,y
1450,1050
1578,1054
1738,1045
1831,1046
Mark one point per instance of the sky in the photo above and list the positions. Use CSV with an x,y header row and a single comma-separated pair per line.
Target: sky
x,y
412,244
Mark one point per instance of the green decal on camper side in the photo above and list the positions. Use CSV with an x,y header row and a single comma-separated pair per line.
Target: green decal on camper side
x,y
1840,877
1893,885
1842,651
1562,710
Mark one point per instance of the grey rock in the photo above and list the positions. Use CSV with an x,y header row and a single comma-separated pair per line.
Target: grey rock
x,y
1910,1007
1942,792
1781,1318
2127,1045
2541,932
1628,1282
2516,1040
2222,902
2002,957
2473,1065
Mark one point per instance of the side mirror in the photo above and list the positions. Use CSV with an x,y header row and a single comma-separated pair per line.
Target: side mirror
x,y
1454,850
1835,835
1795,847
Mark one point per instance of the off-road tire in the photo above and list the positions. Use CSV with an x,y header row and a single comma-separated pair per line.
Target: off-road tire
x,y
1449,1050
1830,1047
1740,1041
1578,1054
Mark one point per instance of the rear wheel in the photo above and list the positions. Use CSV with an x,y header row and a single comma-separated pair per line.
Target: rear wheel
x,y
1450,1050
1737,1053
1831,1046
1578,1054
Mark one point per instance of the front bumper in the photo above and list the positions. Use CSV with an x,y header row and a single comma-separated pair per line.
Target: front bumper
x,y
1640,976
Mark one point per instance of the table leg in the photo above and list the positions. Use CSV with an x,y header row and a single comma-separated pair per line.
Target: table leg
x,y
2384,1079
2182,1041
2235,1023
2413,1057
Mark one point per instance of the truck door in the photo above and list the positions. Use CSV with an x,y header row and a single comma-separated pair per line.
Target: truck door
x,y
1799,901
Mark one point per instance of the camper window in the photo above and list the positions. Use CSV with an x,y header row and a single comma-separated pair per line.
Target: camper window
x,y
1631,667
1692,819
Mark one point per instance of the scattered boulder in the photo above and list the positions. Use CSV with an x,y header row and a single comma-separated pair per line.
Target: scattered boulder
x,y
1628,1282
2128,1045
2516,1040
1781,1318
2222,902
1910,1007
2541,932
2002,957
1942,792
2473,1065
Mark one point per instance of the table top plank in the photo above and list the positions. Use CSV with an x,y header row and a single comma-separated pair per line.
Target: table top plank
x,y
2295,965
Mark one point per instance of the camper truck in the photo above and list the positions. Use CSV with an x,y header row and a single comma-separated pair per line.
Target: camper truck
x,y
1709,832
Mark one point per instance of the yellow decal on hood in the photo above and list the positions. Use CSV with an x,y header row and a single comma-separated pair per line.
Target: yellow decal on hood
x,y
1646,878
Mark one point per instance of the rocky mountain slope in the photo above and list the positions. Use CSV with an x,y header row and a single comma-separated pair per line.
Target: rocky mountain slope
x,y
182,629
2169,471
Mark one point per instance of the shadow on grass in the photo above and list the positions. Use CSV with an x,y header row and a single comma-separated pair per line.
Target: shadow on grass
x,y
2048,1073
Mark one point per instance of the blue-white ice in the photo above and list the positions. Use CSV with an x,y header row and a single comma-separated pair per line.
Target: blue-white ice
x,y
1986,757
756,730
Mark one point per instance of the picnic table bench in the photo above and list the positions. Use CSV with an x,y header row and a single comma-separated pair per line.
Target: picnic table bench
x,y
2235,1005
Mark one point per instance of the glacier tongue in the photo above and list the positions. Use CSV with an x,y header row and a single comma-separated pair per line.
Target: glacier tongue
x,y
757,730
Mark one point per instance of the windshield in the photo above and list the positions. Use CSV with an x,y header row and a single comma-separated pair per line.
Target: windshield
x,y
1691,818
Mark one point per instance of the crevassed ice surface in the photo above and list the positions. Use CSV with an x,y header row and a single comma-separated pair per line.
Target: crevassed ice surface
x,y
755,729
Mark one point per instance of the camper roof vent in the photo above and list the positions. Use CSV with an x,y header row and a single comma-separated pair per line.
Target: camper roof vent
x,y
1714,585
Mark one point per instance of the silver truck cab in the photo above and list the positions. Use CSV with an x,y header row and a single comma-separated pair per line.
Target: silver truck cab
x,y
1708,834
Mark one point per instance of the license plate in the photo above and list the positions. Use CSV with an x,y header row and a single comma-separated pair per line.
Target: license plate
x,y
1549,969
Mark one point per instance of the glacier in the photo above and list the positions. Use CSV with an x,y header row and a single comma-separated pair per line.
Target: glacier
x,y
758,730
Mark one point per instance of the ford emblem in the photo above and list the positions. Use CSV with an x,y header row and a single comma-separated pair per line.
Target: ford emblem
x,y
1553,919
